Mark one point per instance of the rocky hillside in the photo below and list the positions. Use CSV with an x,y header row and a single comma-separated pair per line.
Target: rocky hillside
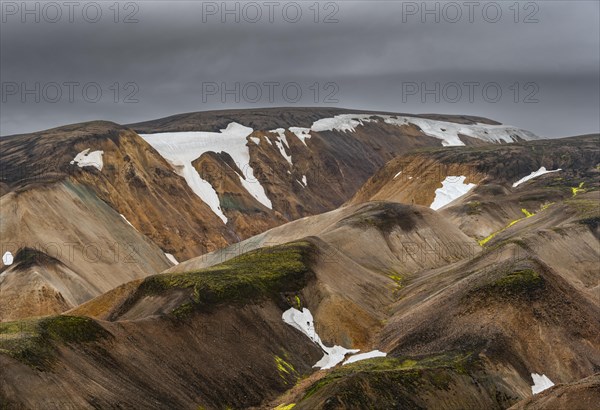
x,y
442,317
259,168
484,189
111,203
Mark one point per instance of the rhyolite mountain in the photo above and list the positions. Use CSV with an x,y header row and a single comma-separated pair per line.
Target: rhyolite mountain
x,y
107,203
472,303
465,322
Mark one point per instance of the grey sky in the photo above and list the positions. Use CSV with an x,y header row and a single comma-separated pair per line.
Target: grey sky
x,y
377,56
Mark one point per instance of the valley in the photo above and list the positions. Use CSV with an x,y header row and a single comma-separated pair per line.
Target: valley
x,y
299,258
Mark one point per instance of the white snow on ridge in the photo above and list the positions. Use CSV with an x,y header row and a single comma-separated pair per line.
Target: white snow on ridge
x,y
89,159
279,143
437,129
7,258
540,383
448,132
302,133
453,187
342,122
534,174
364,356
181,148
171,258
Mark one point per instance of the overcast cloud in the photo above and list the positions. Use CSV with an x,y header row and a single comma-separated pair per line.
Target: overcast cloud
x,y
179,55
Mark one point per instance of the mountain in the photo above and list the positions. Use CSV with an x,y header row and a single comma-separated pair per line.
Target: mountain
x,y
476,304
500,184
108,203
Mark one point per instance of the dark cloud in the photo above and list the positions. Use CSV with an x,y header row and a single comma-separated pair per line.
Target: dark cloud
x,y
547,71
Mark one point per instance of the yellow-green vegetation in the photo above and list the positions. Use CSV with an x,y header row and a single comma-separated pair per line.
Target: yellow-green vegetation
x,y
33,342
404,371
526,213
285,369
183,311
396,277
255,275
295,301
578,189
285,406
488,238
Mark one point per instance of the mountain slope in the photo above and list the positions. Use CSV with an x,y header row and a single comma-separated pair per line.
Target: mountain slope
x,y
179,199
463,329
188,319
493,202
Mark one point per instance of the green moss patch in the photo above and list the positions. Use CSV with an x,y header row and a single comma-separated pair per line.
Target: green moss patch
x,y
378,374
398,278
34,342
517,282
253,276
525,212
578,189
286,370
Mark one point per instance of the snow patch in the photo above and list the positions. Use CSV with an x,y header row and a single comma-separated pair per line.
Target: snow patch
x,y
397,175
171,258
540,383
181,148
364,356
302,133
279,143
333,356
89,159
200,186
342,122
304,181
534,174
303,321
448,132
255,140
7,258
453,187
